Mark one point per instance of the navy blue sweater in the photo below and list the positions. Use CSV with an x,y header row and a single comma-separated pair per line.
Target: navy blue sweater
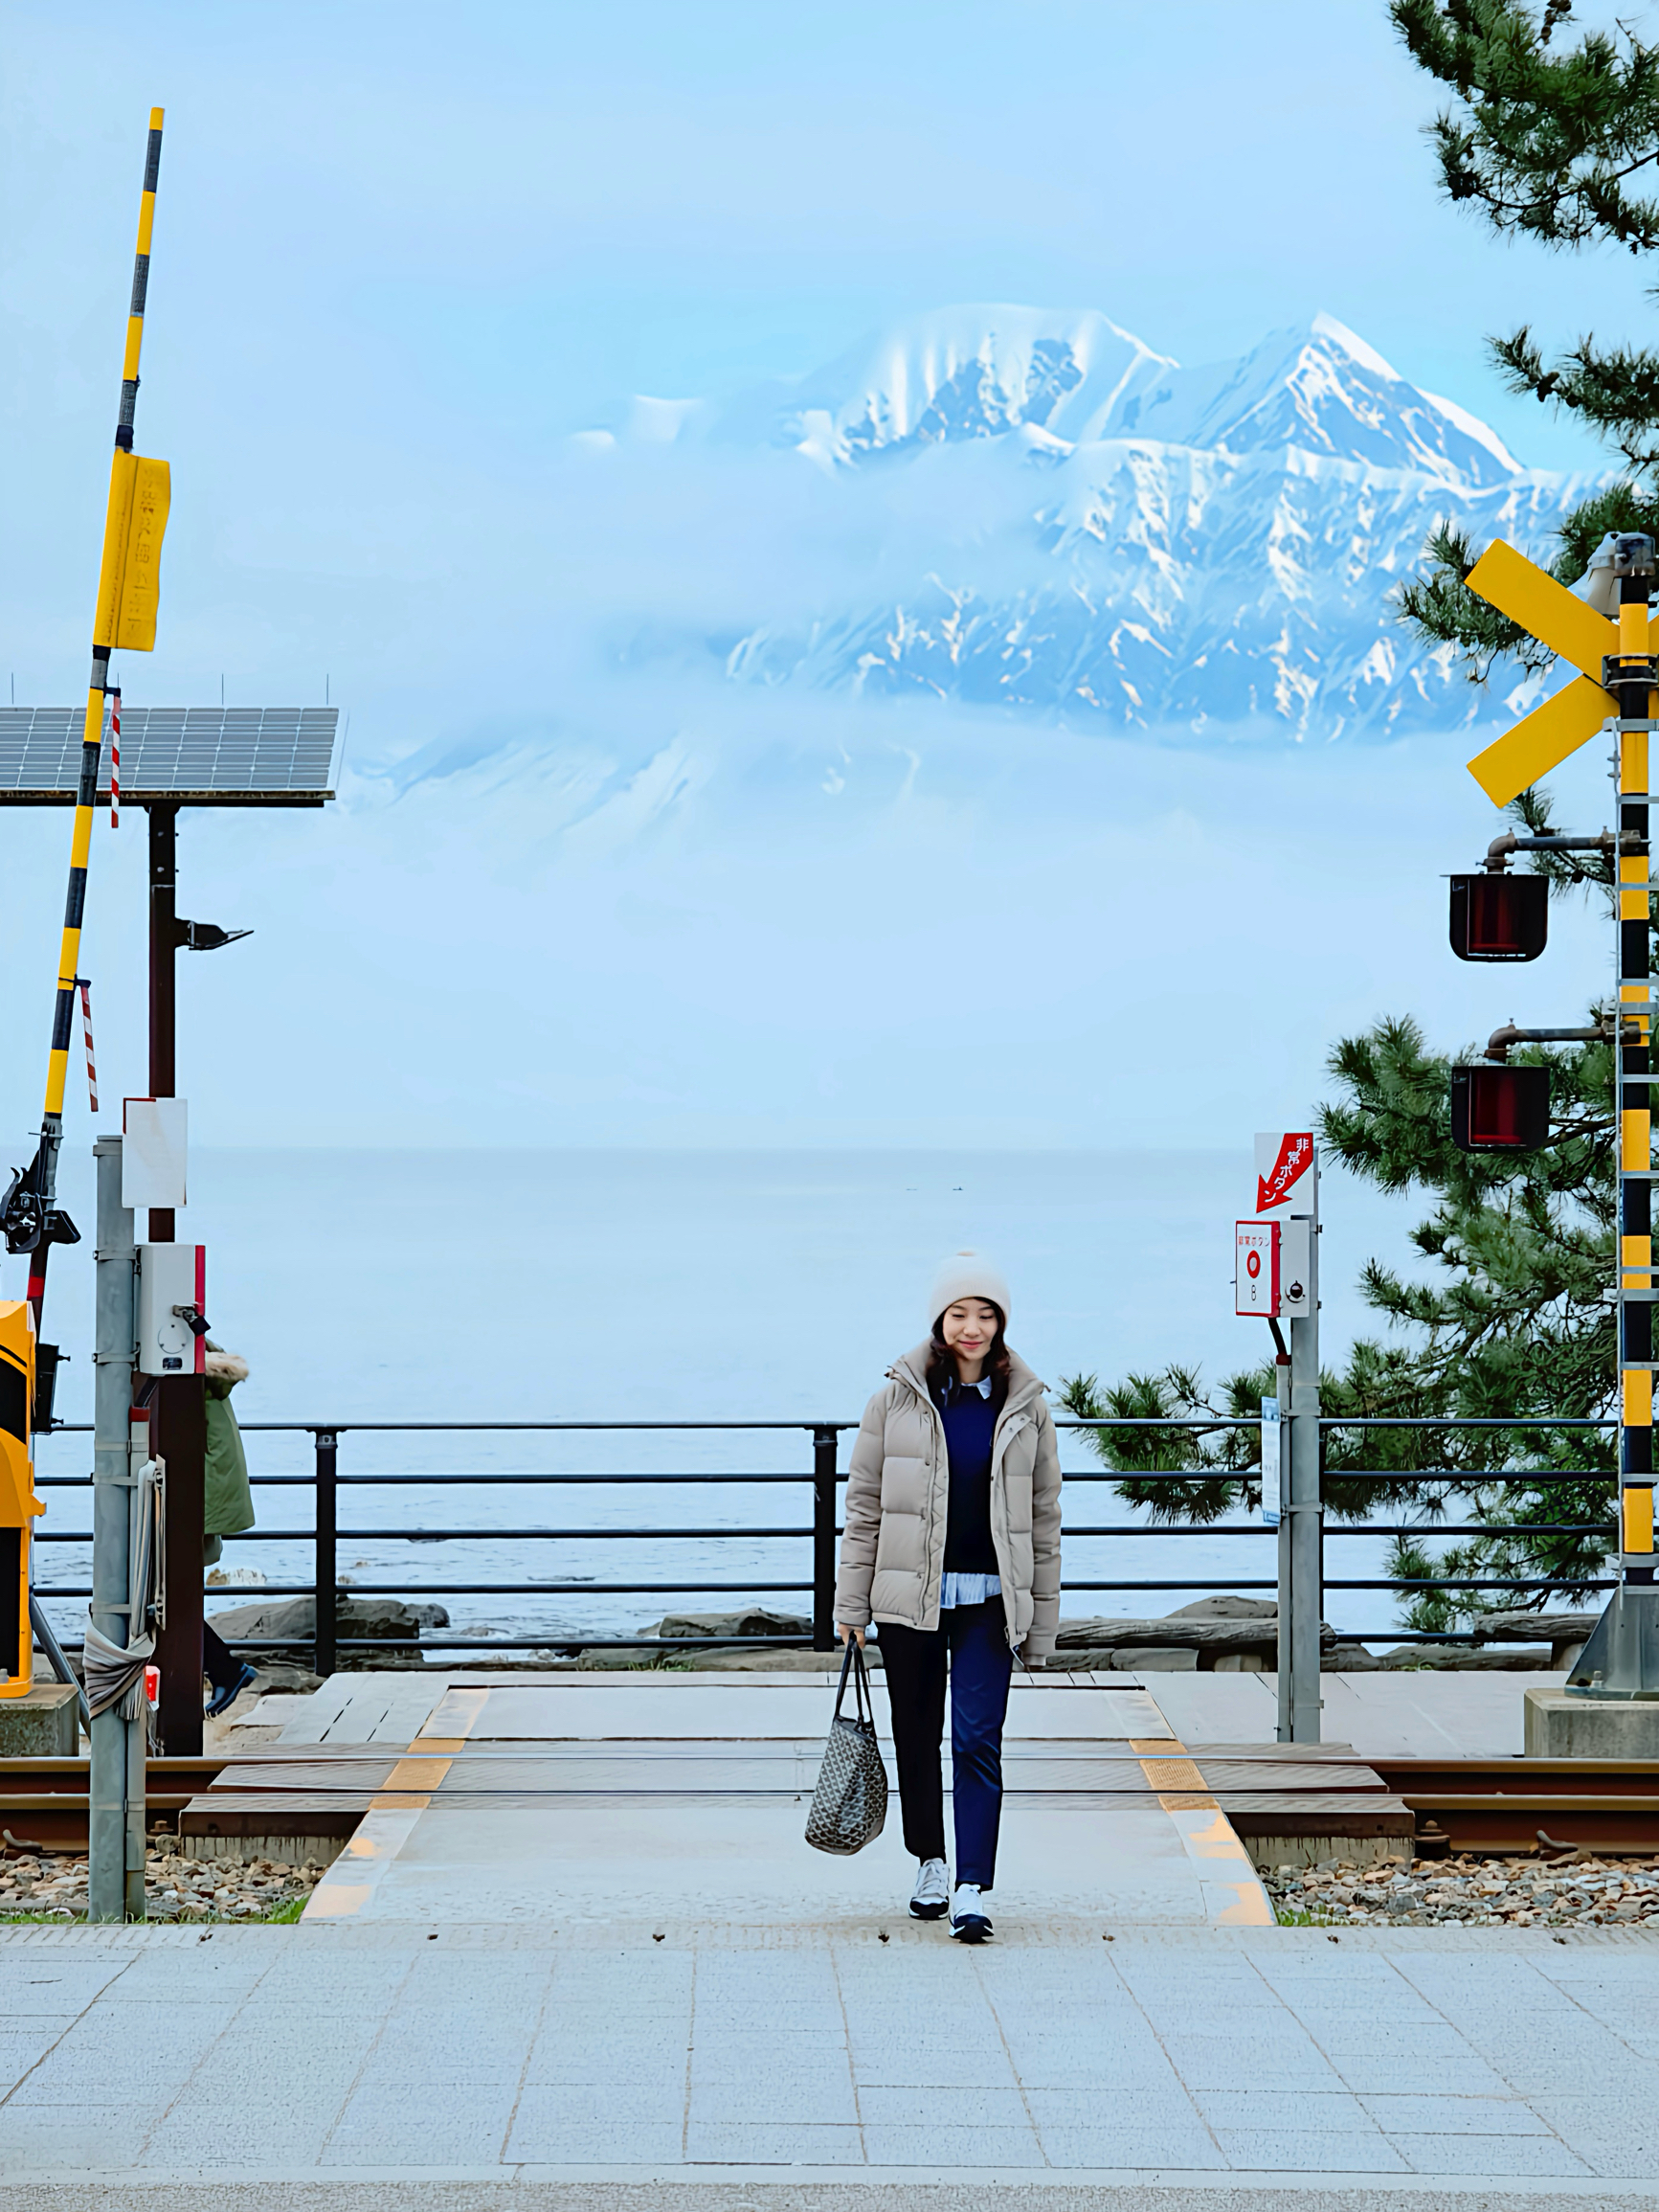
x,y
970,1424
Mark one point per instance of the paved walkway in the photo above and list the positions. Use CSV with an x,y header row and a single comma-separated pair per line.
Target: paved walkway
x,y
682,1799
644,1999
1476,2060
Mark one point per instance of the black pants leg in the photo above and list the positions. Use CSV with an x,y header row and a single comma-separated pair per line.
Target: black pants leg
x,y
219,1662
913,1662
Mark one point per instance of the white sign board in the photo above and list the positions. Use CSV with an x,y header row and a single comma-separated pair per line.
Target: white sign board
x,y
1256,1269
153,1152
1287,1176
1271,1432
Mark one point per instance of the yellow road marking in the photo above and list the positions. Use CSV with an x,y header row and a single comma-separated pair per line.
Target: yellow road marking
x,y
395,1809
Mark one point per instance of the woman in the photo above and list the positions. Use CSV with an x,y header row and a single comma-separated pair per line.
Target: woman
x,y
952,1548
227,1509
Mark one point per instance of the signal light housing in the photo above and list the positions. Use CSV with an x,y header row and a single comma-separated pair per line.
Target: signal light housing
x,y
1497,1108
1499,918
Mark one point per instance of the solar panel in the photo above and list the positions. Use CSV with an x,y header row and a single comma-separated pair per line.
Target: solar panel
x,y
204,755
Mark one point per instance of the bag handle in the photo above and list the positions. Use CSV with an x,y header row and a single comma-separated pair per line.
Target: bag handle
x,y
864,1708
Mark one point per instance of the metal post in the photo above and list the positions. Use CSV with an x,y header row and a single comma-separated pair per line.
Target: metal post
x,y
324,1574
110,1766
163,939
823,1539
138,1451
1622,1659
1284,1680
179,1429
1306,1514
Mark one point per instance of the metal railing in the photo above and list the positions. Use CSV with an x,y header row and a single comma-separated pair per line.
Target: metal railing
x,y
824,1529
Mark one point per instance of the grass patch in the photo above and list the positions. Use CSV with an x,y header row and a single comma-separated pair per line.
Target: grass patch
x,y
1308,1916
284,1914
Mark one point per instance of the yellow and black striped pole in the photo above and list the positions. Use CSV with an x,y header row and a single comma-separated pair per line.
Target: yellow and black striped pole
x,y
1637,701
1622,1659
135,518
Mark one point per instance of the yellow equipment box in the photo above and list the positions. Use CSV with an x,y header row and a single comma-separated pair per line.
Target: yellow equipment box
x,y
18,1503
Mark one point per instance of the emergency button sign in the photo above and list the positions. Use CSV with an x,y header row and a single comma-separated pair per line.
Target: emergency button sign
x,y
1283,1159
1257,1250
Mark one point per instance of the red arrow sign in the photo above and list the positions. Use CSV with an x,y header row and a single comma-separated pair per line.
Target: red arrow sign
x,y
1295,1158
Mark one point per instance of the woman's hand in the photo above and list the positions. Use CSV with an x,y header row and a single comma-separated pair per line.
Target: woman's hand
x,y
842,1631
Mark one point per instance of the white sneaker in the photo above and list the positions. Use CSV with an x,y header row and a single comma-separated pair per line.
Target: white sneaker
x,y
968,1921
932,1891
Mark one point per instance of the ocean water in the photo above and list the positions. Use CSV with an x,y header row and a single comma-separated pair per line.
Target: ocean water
x,y
664,1288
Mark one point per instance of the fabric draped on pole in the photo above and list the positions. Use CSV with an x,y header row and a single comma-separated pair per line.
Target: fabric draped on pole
x,y
115,1672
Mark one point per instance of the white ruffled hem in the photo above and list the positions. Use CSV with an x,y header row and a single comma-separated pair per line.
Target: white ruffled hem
x,y
967,1590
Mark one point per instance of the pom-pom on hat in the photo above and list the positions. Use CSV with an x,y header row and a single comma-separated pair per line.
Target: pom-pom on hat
x,y
965,1275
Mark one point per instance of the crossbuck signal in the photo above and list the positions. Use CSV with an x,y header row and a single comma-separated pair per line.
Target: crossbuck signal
x,y
1499,1107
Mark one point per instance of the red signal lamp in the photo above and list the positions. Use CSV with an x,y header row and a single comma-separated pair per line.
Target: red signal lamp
x,y
1499,918
1497,1108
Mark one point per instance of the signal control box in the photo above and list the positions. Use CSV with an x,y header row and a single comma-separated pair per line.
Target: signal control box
x,y
18,1503
172,1320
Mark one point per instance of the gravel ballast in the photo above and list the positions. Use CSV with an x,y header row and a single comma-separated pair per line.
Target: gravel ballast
x,y
54,1885
1477,1892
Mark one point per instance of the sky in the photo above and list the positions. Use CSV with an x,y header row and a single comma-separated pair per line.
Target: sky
x,y
401,254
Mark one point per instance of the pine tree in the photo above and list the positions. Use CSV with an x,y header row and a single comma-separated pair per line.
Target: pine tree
x,y
1515,1325
1554,142
1557,141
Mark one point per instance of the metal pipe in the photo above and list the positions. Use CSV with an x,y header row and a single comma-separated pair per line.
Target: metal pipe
x,y
1306,1512
110,1765
1498,1044
326,1569
164,937
1498,851
1284,1675
46,1637
823,1539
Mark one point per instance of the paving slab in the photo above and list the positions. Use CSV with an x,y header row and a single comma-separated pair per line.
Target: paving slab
x,y
377,2099
1432,1714
682,1801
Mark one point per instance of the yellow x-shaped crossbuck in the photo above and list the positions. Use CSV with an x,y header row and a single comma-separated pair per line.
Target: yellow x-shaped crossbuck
x,y
1549,612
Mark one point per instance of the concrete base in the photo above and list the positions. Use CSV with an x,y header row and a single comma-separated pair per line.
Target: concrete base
x,y
1270,1851
1561,1727
43,1724
248,1850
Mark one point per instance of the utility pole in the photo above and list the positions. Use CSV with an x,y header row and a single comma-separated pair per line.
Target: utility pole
x,y
1622,1659
115,1872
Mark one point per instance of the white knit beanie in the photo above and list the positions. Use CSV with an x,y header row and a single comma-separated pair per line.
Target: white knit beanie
x,y
965,1275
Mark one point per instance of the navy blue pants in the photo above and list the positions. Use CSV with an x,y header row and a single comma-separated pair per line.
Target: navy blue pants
x,y
973,1641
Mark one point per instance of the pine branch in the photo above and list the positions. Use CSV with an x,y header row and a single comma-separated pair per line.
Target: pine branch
x,y
1547,143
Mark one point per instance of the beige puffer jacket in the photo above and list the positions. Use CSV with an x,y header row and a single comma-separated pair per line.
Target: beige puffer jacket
x,y
898,1493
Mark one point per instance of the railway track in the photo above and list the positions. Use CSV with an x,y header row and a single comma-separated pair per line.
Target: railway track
x,y
1531,1805
1457,1805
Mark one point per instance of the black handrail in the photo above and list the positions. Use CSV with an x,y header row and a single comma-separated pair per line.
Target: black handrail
x,y
824,1529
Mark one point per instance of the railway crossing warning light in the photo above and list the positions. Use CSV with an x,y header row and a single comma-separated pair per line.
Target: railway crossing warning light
x,y
1499,916
18,1503
1500,1109
1609,631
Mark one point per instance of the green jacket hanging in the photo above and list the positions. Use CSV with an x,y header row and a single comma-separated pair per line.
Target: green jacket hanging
x,y
226,1500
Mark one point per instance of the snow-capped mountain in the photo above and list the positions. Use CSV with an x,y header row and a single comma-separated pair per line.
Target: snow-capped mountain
x,y
1074,523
